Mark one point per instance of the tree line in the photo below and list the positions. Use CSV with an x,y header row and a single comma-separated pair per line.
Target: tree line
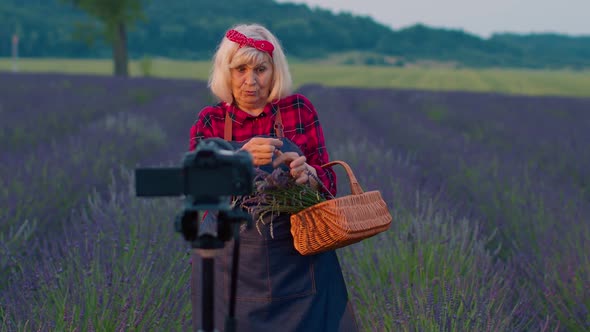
x,y
191,29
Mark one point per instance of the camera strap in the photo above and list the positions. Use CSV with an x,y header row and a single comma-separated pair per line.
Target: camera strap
x,y
278,125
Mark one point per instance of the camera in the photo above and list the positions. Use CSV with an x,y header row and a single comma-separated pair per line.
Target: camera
x,y
211,173
208,177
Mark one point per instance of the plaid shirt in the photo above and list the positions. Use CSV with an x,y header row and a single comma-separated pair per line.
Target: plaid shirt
x,y
300,122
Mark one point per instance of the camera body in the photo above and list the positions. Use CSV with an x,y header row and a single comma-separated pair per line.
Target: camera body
x,y
209,176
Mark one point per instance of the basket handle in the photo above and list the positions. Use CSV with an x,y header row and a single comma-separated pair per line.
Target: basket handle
x,y
355,187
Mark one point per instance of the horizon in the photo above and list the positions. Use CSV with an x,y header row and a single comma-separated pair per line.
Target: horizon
x,y
568,17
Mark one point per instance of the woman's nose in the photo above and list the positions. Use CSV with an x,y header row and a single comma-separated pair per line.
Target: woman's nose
x,y
250,78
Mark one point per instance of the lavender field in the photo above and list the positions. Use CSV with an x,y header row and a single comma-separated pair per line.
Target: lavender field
x,y
490,196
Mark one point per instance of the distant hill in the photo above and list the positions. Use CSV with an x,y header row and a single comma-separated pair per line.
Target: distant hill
x,y
191,29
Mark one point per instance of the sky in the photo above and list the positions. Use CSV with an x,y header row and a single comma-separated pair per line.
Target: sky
x,y
480,17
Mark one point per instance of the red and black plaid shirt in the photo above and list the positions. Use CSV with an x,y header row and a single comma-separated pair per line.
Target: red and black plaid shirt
x,y
300,122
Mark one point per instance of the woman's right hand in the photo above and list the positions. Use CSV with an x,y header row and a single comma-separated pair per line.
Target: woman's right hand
x,y
262,149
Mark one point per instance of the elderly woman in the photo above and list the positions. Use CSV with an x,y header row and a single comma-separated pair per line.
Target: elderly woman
x,y
278,289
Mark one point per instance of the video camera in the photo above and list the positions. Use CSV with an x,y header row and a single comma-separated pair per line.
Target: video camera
x,y
208,174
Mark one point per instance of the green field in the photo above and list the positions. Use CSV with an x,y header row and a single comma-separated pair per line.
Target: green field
x,y
516,81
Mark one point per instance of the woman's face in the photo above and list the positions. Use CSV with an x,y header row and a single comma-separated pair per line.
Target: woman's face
x,y
251,84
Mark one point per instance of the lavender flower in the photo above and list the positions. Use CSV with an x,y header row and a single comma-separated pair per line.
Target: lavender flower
x,y
276,193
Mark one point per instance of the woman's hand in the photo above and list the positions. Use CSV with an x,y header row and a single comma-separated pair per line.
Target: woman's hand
x,y
299,169
262,149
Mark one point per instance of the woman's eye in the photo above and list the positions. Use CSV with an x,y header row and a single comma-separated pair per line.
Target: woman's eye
x,y
261,69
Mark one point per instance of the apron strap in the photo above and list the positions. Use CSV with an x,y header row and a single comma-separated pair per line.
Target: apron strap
x,y
227,133
279,124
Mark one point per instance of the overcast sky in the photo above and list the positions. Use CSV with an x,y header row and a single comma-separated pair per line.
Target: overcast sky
x,y
481,17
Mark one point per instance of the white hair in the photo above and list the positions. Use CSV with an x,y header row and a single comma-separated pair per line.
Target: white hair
x,y
229,55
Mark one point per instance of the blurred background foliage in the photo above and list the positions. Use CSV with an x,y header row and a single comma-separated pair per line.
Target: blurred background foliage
x,y
187,29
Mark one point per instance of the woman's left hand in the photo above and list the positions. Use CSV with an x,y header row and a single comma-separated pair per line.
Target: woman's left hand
x,y
297,164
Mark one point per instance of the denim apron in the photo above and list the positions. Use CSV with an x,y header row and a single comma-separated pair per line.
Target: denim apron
x,y
277,288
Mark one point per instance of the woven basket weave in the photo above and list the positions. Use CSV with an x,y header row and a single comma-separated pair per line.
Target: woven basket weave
x,y
341,221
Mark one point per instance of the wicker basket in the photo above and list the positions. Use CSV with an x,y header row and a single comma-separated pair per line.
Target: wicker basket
x,y
340,221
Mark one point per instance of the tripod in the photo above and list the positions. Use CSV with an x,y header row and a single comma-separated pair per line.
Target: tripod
x,y
208,246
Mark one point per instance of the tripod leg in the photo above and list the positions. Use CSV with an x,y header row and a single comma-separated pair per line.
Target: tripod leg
x,y
194,292
230,321
208,310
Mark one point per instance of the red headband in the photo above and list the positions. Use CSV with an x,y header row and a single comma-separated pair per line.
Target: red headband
x,y
261,45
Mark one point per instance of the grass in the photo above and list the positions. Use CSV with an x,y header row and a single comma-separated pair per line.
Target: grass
x,y
511,81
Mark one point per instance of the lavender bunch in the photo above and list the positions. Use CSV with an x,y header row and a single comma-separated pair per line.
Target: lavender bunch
x,y
276,193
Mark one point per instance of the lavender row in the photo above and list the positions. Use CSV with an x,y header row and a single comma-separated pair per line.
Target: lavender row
x,y
34,115
397,142
42,183
474,171
55,180
539,216
119,266
551,130
70,160
427,272
490,185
